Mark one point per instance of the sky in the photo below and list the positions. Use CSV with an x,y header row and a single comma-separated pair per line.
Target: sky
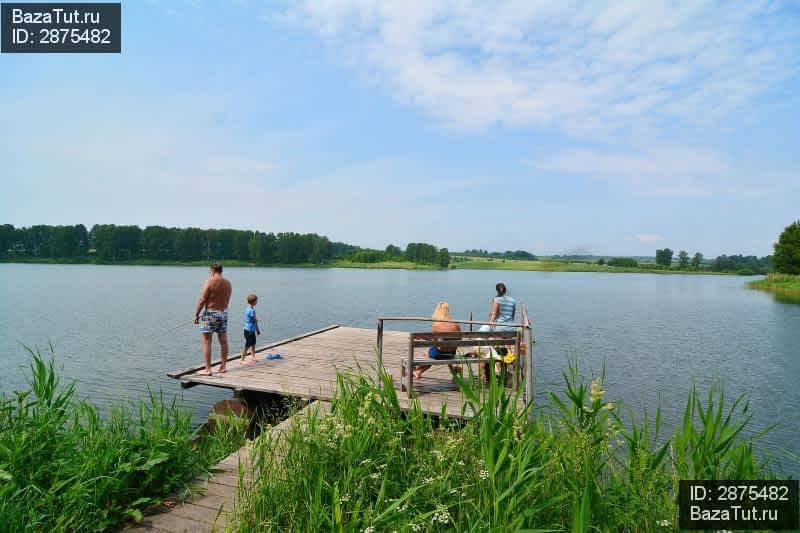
x,y
554,127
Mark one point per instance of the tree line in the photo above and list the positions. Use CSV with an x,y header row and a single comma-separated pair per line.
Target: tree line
x,y
508,254
415,252
113,243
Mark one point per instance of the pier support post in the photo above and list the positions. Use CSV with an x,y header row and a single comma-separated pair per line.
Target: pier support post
x,y
528,333
380,351
410,369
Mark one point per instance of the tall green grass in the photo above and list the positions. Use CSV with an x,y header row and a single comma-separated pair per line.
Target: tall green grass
x,y
784,287
65,468
578,466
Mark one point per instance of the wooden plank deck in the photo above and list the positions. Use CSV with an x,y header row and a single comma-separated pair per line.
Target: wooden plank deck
x,y
211,506
311,362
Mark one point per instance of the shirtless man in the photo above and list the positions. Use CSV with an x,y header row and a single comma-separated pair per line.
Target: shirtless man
x,y
213,303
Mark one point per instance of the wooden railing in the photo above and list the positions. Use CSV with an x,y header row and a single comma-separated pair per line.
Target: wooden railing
x,y
526,325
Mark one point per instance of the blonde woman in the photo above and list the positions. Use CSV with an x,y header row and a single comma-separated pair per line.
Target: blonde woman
x,y
441,312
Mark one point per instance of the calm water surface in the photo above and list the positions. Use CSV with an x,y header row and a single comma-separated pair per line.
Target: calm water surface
x,y
118,330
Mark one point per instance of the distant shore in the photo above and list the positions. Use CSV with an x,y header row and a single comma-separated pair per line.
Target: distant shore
x,y
459,263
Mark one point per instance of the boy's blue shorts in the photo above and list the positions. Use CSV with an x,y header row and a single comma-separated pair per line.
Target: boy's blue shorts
x,y
436,353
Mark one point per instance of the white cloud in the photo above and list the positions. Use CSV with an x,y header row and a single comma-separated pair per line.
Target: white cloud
x,y
669,170
661,171
580,67
648,237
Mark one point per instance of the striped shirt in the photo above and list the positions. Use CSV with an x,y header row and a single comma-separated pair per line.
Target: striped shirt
x,y
506,307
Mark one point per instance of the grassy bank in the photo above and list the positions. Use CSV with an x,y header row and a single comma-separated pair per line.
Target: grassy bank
x,y
785,287
579,466
64,468
472,263
544,265
407,265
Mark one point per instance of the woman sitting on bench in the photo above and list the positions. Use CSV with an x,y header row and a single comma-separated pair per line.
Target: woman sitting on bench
x,y
442,312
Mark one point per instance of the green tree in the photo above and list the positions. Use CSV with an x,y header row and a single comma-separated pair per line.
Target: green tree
x,y
6,239
601,261
65,241
103,239
129,241
628,262
157,242
241,241
697,260
664,257
444,258
787,250
683,259
393,252
190,244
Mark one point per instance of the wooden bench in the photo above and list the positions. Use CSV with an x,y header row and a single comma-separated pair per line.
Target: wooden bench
x,y
454,340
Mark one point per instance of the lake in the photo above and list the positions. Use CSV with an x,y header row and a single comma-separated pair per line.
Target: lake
x,y
117,330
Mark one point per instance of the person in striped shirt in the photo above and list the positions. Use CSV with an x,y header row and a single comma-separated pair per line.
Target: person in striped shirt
x,y
504,309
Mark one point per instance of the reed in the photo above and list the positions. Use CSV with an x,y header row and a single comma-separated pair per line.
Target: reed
x,y
580,465
65,468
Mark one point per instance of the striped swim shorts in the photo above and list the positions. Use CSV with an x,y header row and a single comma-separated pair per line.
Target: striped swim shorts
x,y
213,321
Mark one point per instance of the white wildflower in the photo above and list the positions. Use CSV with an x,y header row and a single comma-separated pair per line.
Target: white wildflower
x,y
484,474
365,461
428,480
460,463
416,527
441,515
369,529
344,498
663,523
375,476
597,392
609,406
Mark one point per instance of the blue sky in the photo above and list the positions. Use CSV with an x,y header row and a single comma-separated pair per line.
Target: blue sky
x,y
555,127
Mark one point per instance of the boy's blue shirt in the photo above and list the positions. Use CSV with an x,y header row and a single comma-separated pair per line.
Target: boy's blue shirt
x,y
249,316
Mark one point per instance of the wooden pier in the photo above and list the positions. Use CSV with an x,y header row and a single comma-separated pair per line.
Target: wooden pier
x,y
308,369
312,360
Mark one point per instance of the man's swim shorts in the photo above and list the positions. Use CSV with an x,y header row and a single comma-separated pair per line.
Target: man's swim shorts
x,y
213,321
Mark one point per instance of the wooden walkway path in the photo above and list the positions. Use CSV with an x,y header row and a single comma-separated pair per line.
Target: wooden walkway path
x,y
311,361
215,496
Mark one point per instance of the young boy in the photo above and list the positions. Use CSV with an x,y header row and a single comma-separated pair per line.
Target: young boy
x,y
251,329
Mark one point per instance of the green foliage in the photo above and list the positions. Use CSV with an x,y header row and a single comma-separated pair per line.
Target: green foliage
x,y
683,259
697,260
443,258
787,250
664,257
111,243
370,466
393,253
785,287
627,262
508,254
64,468
368,256
420,252
741,264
